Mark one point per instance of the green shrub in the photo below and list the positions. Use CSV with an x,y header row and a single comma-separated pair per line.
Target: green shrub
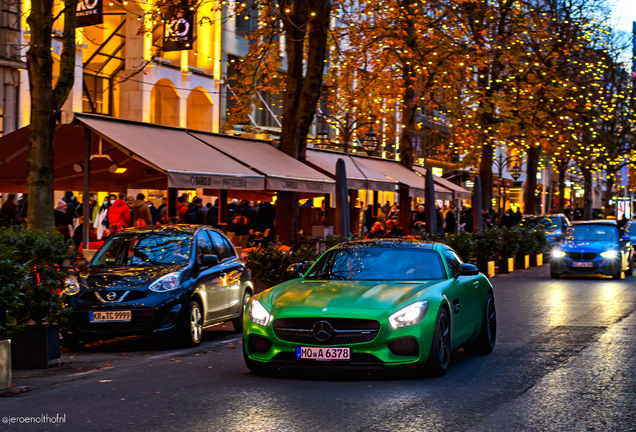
x,y
40,255
268,264
510,238
461,243
334,240
11,295
526,240
487,244
539,241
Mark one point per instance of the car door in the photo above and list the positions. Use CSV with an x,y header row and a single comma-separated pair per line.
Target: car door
x,y
231,271
467,305
209,280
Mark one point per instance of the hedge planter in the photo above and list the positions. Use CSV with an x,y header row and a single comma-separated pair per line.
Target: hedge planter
x,y
522,261
536,260
5,364
506,265
487,268
36,347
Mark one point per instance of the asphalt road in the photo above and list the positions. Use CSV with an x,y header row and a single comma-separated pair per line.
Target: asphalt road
x,y
565,360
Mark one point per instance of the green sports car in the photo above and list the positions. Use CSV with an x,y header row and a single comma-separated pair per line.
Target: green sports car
x,y
373,303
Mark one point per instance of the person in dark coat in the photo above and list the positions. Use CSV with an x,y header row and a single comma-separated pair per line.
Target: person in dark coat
x,y
266,216
212,217
418,219
8,211
368,217
250,214
239,226
518,216
62,221
232,208
393,229
450,220
78,234
508,219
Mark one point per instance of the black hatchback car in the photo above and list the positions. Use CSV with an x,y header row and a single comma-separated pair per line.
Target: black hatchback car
x,y
171,280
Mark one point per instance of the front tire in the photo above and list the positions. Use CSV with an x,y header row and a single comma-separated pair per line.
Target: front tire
x,y
238,322
555,276
256,366
618,274
193,329
630,270
439,357
486,340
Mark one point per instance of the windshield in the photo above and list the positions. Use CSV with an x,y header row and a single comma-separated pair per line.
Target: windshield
x,y
145,249
372,263
591,233
548,223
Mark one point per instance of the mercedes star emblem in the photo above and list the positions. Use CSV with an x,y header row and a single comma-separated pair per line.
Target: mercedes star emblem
x,y
322,331
111,296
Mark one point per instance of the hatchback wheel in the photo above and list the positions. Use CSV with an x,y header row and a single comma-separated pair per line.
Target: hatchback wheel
x,y
193,330
439,357
238,322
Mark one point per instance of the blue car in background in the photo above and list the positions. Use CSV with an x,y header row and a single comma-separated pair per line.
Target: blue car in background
x,y
554,225
593,247
630,230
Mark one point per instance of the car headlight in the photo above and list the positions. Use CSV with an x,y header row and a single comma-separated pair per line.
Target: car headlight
x,y
558,253
409,315
258,313
609,254
71,285
165,283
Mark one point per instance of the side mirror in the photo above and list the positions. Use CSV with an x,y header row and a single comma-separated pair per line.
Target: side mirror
x,y
209,260
296,270
82,264
469,270
626,238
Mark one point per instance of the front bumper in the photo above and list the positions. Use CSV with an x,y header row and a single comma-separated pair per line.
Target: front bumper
x,y
604,266
375,353
159,312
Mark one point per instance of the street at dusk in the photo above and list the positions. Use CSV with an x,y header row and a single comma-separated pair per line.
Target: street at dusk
x,y
565,360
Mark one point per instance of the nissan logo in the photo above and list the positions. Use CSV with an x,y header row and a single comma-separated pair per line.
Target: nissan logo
x,y
322,331
111,296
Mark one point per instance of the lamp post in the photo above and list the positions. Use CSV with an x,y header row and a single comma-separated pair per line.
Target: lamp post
x,y
515,173
346,128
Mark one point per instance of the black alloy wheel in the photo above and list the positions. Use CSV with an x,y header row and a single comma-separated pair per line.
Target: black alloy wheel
x,y
439,357
487,338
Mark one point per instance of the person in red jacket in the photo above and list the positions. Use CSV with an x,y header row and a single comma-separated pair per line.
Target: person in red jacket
x,y
119,212
182,207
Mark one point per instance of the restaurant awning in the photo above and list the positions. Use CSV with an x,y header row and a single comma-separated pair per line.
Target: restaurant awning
x,y
188,162
282,172
460,192
359,176
399,173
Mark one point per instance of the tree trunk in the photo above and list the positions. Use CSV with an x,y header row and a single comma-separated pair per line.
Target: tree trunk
x,y
607,196
561,190
306,28
587,200
485,174
529,200
45,105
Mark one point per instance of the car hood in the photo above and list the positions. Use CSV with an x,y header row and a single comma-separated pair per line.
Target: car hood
x,y
571,246
125,277
346,294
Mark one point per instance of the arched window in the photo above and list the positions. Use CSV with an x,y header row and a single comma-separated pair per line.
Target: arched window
x,y
164,107
199,114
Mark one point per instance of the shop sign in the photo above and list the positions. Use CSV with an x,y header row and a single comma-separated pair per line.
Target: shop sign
x,y
178,34
89,13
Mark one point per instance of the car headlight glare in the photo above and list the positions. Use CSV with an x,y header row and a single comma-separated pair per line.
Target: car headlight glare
x,y
71,285
609,254
165,283
258,313
409,315
558,253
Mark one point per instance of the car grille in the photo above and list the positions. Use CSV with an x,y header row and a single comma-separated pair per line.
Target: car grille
x,y
345,330
91,296
587,256
139,321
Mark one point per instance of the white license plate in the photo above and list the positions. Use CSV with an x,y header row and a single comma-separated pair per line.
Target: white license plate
x,y
582,264
110,316
324,354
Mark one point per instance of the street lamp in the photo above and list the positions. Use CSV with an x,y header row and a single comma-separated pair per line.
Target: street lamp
x,y
347,127
323,139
